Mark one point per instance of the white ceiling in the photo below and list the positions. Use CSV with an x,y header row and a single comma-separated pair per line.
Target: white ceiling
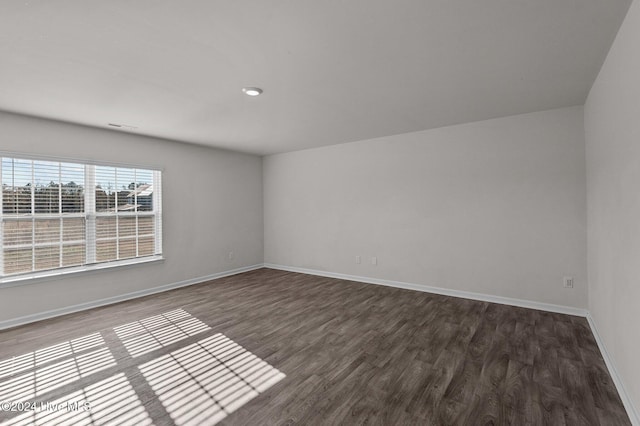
x,y
332,71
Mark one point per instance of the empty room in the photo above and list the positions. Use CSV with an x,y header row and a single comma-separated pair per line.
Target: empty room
x,y
413,212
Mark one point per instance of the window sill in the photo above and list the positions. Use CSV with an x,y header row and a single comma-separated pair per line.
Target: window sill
x,y
57,274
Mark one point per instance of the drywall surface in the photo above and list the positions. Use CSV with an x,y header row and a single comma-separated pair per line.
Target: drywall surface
x,y
612,131
494,207
212,204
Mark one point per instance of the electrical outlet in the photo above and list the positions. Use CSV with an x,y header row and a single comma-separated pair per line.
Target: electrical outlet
x,y
567,282
374,260
358,260
230,255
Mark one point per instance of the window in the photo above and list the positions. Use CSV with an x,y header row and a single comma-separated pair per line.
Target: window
x,y
63,215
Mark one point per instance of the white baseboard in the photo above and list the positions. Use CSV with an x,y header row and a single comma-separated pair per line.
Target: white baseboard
x,y
121,298
628,404
569,310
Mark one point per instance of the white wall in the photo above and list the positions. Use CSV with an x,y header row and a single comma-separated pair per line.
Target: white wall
x,y
495,207
612,129
212,203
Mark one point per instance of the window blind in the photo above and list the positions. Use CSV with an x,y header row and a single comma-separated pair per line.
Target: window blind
x,y
61,214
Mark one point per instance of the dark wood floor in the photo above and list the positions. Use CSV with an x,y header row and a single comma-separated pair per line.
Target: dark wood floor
x,y
272,347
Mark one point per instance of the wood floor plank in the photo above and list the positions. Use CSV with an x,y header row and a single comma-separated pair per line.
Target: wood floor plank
x,y
287,348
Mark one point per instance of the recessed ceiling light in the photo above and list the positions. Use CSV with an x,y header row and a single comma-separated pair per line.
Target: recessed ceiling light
x,y
252,91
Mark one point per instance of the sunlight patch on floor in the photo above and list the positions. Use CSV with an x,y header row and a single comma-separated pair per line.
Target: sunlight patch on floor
x,y
148,334
112,401
33,374
204,382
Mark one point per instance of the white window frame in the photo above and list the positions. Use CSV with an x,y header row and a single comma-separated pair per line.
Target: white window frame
x,y
89,214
